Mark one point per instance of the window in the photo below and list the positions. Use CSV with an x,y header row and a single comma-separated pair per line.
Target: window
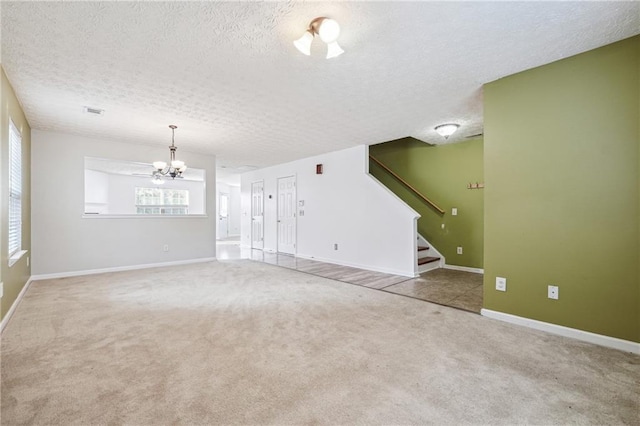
x,y
15,189
162,201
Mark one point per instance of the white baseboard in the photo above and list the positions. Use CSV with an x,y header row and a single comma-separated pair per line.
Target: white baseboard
x,y
585,336
464,268
119,269
13,307
355,265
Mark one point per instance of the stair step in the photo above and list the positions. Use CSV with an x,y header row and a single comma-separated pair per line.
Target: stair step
x,y
422,248
427,260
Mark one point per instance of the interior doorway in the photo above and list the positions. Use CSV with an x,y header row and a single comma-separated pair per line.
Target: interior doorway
x,y
287,215
257,215
223,215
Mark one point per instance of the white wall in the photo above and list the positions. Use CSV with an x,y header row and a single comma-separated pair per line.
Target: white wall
x,y
65,241
373,228
96,192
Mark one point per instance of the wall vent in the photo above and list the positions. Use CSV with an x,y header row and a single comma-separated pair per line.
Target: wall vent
x,y
95,111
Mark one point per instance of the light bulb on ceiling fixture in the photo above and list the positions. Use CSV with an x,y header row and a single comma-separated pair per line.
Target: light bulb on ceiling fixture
x,y
333,50
328,30
447,130
303,44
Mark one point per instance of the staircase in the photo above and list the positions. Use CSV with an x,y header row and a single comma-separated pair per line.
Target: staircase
x,y
428,258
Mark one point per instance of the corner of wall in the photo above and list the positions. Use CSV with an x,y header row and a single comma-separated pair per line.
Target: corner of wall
x,y
16,276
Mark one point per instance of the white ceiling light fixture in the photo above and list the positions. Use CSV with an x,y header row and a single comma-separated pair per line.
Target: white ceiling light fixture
x,y
328,30
446,130
175,168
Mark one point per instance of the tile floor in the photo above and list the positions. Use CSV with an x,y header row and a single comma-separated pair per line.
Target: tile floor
x,y
458,289
462,290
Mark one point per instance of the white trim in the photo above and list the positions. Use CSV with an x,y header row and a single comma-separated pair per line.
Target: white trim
x,y
426,267
464,268
13,259
355,265
120,268
585,336
14,305
432,251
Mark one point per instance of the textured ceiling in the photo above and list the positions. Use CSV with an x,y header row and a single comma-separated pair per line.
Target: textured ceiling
x,y
228,75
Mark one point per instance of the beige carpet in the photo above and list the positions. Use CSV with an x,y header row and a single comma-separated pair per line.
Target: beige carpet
x,y
250,343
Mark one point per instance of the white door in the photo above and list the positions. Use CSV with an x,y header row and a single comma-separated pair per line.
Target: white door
x,y
257,215
287,215
223,216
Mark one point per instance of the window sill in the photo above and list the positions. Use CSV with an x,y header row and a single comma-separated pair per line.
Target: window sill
x,y
16,256
143,216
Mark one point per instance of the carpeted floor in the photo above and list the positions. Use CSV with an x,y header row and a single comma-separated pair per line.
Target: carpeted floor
x,y
250,343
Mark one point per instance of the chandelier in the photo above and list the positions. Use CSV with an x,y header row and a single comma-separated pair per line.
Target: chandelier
x,y
175,168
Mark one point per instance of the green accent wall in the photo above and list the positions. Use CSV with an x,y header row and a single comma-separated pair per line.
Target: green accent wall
x,y
441,173
562,191
16,276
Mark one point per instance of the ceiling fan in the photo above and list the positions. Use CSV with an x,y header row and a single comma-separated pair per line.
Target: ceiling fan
x,y
156,176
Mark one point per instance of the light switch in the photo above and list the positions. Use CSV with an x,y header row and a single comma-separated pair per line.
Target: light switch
x,y
454,211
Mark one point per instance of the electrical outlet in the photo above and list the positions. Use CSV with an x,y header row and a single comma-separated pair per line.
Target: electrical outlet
x,y
454,211
165,247
553,292
335,246
501,284
459,250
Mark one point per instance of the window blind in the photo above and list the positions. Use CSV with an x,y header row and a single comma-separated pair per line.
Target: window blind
x,y
15,189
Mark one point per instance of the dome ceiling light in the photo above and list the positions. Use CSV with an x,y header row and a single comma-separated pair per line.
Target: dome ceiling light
x,y
446,130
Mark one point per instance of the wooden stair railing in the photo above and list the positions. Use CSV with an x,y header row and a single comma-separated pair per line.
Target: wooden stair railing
x,y
405,183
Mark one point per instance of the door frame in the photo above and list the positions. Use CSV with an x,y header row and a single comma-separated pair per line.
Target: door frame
x,y
295,215
220,217
251,217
